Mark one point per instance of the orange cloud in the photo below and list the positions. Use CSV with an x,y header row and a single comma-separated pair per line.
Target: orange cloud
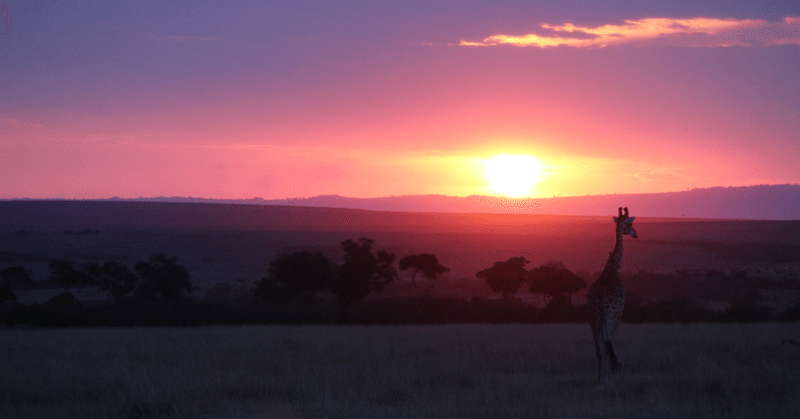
x,y
693,32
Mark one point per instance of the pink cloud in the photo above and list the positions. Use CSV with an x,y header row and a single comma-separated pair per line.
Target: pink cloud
x,y
693,32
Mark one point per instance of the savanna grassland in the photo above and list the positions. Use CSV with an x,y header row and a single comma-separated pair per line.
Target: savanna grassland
x,y
449,371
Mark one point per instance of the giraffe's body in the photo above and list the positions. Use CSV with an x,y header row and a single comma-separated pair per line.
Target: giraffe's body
x,y
606,300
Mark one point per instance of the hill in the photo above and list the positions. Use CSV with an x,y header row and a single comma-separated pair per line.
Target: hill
x,y
221,216
761,202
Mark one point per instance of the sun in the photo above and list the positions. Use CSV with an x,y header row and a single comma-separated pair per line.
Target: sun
x,y
512,176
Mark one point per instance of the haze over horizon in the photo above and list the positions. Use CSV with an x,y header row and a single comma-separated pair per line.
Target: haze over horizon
x,y
369,99
762,202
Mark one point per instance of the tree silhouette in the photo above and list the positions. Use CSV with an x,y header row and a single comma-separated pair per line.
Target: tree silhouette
x,y
303,271
64,273
271,289
300,273
552,280
17,277
505,277
10,278
6,294
115,278
63,302
555,264
161,275
429,265
362,272
426,263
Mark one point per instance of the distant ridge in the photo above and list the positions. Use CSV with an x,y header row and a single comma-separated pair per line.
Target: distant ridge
x,y
761,202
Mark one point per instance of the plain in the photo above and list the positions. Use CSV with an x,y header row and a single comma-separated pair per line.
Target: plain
x,y
444,371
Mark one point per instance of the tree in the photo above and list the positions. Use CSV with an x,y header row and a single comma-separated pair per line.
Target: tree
x,y
505,277
303,272
426,263
17,277
10,278
555,264
552,280
231,294
63,302
161,275
429,265
271,289
64,273
362,272
6,294
116,279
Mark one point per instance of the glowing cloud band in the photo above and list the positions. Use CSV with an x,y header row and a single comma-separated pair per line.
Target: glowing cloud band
x,y
693,32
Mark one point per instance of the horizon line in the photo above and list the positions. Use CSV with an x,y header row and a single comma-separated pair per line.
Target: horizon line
x,y
258,198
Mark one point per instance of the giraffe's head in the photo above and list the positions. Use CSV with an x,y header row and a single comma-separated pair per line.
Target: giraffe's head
x,y
625,223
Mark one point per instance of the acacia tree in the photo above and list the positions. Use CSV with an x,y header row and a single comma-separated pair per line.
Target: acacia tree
x,y
161,275
362,272
429,265
299,273
64,273
505,277
426,263
115,278
551,281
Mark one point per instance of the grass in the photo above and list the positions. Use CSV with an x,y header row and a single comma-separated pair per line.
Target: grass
x,y
451,371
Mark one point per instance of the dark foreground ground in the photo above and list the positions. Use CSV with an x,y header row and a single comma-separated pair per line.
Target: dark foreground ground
x,y
453,371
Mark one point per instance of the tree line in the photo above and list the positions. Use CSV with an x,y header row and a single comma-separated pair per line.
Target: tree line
x,y
291,278
160,277
159,289
304,274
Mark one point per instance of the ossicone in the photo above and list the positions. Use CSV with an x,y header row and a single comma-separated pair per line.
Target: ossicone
x,y
622,215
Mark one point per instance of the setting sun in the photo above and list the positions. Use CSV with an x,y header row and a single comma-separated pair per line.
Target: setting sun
x,y
512,176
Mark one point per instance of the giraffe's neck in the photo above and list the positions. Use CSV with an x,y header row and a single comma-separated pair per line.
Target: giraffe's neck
x,y
614,259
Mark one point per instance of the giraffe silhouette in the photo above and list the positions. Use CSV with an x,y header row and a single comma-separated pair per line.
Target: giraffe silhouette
x,y
605,301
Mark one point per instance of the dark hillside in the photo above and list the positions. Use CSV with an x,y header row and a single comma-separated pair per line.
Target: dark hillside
x,y
75,214
230,242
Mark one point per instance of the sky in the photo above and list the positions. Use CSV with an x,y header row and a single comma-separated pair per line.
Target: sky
x,y
276,99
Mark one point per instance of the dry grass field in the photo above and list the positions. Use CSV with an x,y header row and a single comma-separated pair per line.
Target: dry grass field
x,y
453,371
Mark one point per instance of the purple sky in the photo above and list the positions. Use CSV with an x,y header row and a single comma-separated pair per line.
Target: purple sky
x,y
241,99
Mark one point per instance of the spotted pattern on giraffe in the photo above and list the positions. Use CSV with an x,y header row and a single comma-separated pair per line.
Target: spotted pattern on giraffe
x,y
606,301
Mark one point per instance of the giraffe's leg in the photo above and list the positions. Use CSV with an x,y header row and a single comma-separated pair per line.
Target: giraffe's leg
x,y
602,381
599,362
612,358
598,346
605,357
609,367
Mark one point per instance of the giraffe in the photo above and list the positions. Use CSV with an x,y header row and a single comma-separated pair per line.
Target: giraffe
x,y
605,301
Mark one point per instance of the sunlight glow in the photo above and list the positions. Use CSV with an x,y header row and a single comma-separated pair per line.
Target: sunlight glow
x,y
513,176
